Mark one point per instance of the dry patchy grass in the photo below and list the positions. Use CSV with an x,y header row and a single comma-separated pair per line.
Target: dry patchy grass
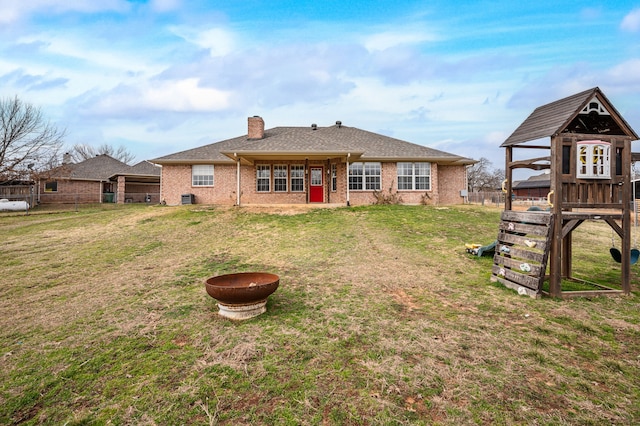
x,y
381,318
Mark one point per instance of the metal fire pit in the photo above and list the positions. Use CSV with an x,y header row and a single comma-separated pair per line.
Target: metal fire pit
x,y
242,295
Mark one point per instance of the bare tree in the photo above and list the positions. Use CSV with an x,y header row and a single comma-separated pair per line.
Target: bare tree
x,y
29,144
483,177
81,152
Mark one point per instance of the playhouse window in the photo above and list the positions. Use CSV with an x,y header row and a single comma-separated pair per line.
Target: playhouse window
x,y
618,161
566,159
593,160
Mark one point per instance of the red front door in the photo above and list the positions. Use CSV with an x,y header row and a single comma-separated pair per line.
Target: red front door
x,y
316,188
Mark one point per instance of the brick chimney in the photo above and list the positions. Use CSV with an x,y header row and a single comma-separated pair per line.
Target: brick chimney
x,y
256,128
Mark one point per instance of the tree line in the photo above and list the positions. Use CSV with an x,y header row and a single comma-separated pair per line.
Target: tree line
x,y
30,145
483,177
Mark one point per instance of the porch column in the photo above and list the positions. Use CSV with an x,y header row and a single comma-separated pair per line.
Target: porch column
x,y
121,189
237,180
307,179
327,185
347,174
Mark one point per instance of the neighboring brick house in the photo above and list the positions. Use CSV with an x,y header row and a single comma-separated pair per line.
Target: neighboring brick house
x,y
298,165
100,179
537,186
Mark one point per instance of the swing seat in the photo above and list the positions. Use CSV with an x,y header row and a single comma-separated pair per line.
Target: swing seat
x,y
617,256
615,253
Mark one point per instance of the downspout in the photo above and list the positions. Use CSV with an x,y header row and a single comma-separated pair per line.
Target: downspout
x,y
160,197
348,201
237,179
466,184
307,179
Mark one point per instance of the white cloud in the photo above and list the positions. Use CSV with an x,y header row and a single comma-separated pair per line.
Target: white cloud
x,y
166,96
626,73
165,5
12,10
184,96
631,21
77,56
218,41
388,39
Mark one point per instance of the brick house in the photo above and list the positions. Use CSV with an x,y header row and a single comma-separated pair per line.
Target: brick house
x,y
299,165
100,179
537,186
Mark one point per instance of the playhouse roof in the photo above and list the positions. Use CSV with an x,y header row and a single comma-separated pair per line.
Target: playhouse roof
x,y
554,118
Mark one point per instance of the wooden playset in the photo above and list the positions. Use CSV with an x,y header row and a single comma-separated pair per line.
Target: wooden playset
x,y
589,157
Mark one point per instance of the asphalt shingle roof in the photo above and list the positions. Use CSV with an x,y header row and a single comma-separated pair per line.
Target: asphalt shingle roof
x,y
144,168
306,140
102,167
537,181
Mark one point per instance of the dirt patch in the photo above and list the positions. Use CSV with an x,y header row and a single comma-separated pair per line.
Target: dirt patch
x,y
285,209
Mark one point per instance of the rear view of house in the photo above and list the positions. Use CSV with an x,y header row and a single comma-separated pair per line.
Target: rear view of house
x,y
299,165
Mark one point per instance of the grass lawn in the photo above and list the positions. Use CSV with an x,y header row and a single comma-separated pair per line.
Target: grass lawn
x,y
381,318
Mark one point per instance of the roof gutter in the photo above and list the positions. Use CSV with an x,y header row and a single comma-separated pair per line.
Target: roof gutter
x,y
189,162
305,154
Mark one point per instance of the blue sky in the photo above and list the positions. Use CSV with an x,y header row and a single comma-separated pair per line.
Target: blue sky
x,y
160,76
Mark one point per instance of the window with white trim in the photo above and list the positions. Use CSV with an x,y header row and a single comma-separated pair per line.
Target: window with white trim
x,y
280,178
365,176
202,175
372,176
414,176
263,178
297,178
334,177
593,160
356,172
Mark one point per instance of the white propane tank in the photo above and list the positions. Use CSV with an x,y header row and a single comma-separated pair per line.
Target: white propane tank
x,y
13,206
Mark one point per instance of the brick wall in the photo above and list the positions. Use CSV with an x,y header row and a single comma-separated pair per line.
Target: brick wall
x,y
176,181
452,181
72,192
137,193
446,183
